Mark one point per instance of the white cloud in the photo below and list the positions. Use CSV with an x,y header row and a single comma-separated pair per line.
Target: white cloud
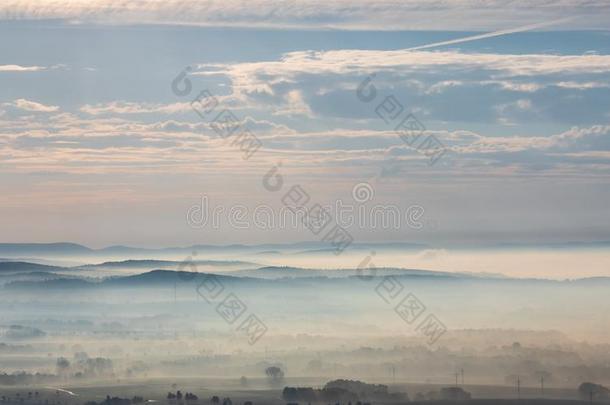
x,y
28,105
583,85
256,77
528,87
19,68
318,83
365,61
441,86
178,146
295,105
124,107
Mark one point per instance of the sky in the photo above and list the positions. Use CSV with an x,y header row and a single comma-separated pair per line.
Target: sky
x,y
101,143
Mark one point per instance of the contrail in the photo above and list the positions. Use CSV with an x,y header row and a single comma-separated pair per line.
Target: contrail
x,y
489,34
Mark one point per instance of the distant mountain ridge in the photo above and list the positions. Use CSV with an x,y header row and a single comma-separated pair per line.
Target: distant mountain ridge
x,y
65,248
288,271
21,267
152,263
12,250
274,275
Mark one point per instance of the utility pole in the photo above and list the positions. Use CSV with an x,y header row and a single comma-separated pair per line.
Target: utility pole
x,y
542,385
518,388
456,379
462,370
393,374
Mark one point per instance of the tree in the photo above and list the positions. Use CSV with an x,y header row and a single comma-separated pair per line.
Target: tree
x,y
215,400
63,365
591,391
274,374
454,394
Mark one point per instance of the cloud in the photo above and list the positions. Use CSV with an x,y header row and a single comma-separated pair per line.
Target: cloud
x,y
124,107
446,86
33,106
347,148
442,85
583,85
521,87
178,146
257,75
346,14
18,68
295,105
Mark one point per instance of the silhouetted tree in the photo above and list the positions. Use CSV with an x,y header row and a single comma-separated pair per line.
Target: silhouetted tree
x,y
275,374
454,394
62,365
591,391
